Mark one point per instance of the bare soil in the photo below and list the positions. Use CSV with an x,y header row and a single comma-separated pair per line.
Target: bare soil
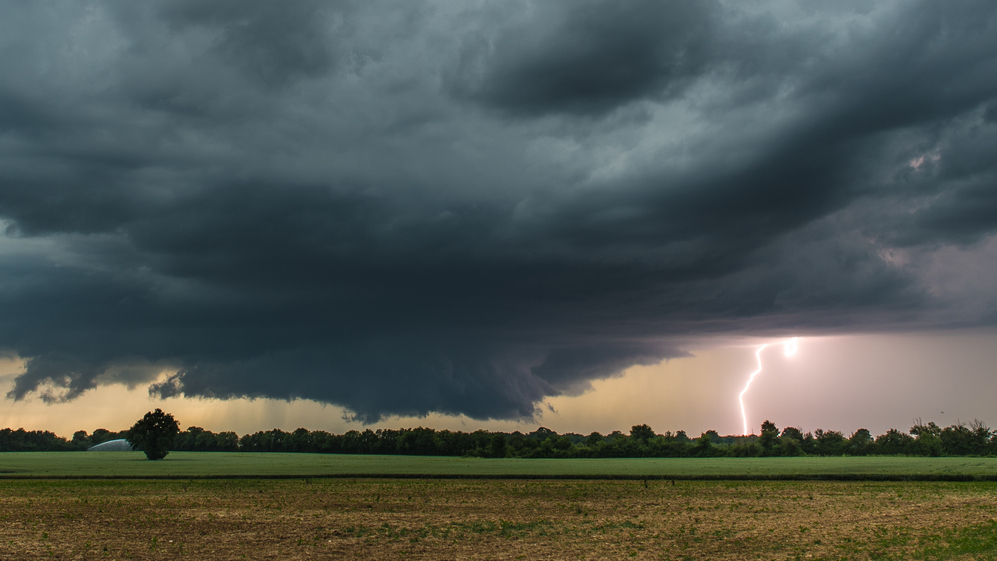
x,y
492,519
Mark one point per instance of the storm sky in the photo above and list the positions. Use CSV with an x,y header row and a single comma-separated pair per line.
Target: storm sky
x,y
472,208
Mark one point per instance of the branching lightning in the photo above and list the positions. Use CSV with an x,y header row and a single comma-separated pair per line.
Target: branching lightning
x,y
789,349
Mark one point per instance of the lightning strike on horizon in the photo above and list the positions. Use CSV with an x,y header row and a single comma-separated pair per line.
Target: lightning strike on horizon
x,y
789,349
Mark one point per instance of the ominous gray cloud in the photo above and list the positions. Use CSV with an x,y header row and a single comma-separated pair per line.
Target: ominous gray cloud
x,y
588,56
467,207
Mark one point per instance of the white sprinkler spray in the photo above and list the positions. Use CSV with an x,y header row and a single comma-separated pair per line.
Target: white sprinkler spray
x,y
789,349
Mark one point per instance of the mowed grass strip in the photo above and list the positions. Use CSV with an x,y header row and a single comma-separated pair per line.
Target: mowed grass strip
x,y
15,465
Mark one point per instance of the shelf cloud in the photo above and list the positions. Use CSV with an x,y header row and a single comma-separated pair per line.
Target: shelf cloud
x,y
467,208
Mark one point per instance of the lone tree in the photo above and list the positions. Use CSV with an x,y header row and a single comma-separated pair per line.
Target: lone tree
x,y
154,434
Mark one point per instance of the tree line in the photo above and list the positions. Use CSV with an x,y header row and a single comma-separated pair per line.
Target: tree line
x,y
974,439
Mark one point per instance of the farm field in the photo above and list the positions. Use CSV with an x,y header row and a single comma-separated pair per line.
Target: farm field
x,y
495,519
221,464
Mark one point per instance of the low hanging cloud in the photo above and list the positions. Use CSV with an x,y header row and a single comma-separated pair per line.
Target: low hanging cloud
x,y
466,209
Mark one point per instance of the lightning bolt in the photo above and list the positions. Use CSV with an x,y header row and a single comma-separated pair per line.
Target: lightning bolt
x,y
789,349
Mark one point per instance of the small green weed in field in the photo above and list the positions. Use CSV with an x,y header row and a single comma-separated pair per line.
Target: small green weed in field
x,y
979,541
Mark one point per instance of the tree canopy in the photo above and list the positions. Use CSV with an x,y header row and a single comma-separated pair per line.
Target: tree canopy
x,y
154,434
923,439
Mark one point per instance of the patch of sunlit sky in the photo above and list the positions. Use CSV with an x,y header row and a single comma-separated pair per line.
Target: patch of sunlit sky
x,y
840,383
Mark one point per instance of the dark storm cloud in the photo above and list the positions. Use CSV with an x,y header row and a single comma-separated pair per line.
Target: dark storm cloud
x,y
272,43
587,57
468,208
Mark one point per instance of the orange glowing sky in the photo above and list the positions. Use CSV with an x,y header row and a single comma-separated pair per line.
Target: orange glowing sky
x,y
838,383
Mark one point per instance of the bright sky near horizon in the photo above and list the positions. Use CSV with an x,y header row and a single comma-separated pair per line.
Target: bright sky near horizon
x,y
836,383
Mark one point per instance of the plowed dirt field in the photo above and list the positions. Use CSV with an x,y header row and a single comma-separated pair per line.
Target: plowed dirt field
x,y
495,519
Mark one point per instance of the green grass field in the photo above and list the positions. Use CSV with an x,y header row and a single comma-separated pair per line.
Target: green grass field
x,y
222,464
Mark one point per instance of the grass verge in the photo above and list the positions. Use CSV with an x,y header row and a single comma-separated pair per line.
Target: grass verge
x,y
192,465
